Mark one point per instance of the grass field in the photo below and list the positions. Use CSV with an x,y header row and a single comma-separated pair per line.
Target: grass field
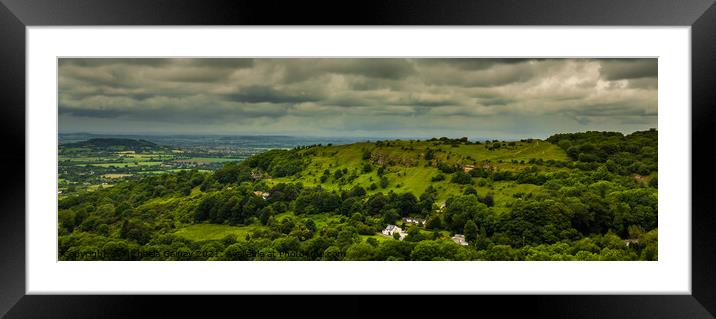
x,y
198,232
126,164
379,237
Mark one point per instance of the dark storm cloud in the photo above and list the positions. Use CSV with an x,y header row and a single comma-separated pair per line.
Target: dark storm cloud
x,y
197,113
335,96
495,101
258,94
488,73
100,62
471,63
158,62
232,63
304,69
624,69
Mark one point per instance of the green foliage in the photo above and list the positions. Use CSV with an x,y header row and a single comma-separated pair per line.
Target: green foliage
x,y
635,153
470,231
533,208
461,178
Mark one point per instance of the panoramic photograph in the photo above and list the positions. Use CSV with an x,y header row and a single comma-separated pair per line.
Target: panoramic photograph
x,y
357,159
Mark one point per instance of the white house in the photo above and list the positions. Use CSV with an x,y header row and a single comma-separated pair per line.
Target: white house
x,y
391,229
459,239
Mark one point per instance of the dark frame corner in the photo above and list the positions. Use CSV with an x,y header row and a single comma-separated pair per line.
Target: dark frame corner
x,y
16,15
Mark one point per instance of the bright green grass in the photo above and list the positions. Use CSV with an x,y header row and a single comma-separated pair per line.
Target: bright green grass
x,y
380,238
199,232
214,159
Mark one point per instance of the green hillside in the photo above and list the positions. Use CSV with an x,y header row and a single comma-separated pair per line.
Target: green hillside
x,y
582,196
408,170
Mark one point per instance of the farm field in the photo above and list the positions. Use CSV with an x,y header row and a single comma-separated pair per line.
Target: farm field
x,y
86,167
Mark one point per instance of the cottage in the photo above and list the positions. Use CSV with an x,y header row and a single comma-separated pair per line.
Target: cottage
x,y
391,229
459,239
468,168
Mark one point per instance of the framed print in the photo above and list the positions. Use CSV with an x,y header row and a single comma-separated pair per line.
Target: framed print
x,y
507,149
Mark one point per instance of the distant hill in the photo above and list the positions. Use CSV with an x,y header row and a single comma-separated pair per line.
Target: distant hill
x,y
113,143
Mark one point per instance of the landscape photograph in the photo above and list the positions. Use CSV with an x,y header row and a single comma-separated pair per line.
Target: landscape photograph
x,y
357,159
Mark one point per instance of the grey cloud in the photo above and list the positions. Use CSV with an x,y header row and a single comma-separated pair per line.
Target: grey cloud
x,y
621,69
232,63
98,62
331,96
210,113
495,101
497,75
472,64
259,94
644,83
298,70
158,62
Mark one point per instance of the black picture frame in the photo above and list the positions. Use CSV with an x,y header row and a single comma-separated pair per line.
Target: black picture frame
x,y
16,15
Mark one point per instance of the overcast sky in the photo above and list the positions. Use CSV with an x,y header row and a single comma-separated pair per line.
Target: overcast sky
x,y
477,98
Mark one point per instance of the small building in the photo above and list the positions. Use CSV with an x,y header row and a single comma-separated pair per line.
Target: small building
x,y
468,168
459,239
412,220
628,242
392,229
261,194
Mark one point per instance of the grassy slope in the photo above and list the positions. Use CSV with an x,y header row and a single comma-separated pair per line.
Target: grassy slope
x,y
199,232
411,173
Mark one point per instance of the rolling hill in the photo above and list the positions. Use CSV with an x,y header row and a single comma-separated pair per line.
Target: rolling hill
x,y
112,144
408,170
